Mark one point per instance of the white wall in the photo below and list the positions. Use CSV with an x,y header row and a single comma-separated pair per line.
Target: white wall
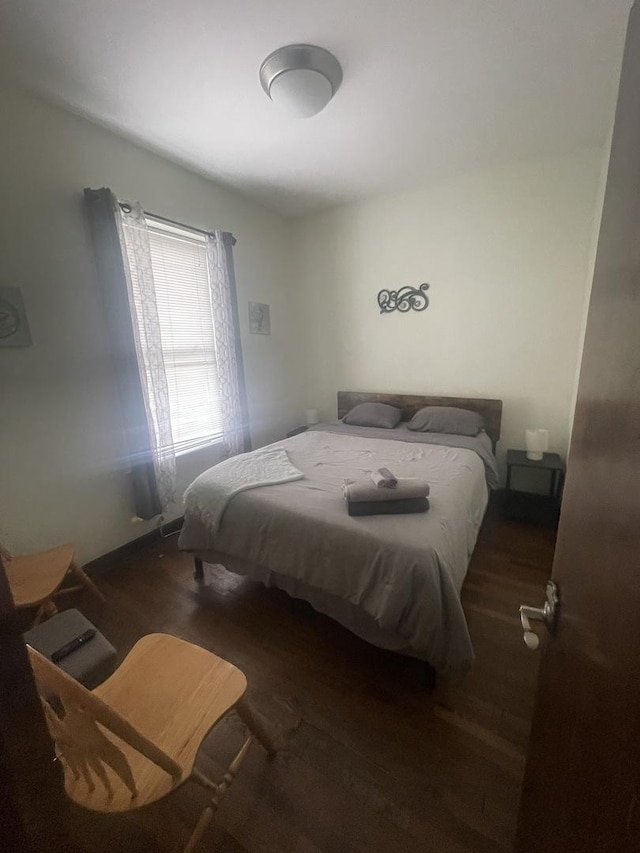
x,y
63,475
506,253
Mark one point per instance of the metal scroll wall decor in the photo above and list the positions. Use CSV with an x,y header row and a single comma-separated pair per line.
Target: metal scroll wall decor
x,y
405,299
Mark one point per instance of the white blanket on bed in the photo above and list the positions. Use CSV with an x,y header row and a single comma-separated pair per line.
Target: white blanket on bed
x,y
209,494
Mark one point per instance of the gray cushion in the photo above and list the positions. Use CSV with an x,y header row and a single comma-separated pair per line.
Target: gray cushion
x,y
91,664
446,419
374,415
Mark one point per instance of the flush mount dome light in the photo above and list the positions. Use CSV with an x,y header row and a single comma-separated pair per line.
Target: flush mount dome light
x,y
301,78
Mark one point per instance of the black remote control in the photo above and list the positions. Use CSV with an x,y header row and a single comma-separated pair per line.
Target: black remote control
x,y
72,645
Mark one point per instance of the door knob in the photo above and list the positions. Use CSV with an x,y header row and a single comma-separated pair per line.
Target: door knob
x,y
548,614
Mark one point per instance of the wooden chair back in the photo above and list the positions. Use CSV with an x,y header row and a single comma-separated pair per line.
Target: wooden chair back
x,y
79,735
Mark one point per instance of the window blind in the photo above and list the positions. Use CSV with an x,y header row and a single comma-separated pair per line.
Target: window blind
x,y
181,279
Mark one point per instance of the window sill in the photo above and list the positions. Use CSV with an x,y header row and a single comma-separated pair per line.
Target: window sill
x,y
188,450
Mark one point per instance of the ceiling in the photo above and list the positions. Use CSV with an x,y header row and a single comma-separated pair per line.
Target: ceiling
x,y
430,87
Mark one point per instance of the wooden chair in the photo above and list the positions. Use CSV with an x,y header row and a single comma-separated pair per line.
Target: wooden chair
x,y
134,739
36,578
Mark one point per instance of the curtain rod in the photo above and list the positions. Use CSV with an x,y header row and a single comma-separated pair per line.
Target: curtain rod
x,y
182,225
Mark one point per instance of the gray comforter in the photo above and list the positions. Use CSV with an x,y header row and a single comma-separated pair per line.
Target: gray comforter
x,y
394,580
480,444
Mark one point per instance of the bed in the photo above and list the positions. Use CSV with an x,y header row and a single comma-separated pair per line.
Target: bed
x,y
394,581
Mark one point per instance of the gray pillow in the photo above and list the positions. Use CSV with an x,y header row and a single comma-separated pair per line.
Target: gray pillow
x,y
374,415
446,419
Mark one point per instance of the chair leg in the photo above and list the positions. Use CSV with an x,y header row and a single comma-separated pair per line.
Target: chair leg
x,y
203,822
219,791
198,569
255,725
37,619
85,580
46,610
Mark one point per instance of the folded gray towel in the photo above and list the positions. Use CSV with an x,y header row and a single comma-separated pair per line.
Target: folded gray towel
x,y
365,490
408,505
384,479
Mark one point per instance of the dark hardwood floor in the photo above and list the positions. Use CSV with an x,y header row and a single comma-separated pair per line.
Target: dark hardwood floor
x,y
370,761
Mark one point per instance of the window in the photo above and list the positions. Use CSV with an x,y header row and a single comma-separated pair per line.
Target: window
x,y
181,281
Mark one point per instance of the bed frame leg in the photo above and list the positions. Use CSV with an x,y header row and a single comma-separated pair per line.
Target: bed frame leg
x,y
198,569
429,677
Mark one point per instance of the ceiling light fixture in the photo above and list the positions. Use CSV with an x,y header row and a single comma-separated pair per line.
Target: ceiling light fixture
x,y
301,78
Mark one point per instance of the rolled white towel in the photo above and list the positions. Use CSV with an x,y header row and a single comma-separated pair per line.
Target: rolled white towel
x,y
384,479
365,490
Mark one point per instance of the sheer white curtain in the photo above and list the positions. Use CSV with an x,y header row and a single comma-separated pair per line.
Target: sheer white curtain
x,y
125,265
134,236
235,421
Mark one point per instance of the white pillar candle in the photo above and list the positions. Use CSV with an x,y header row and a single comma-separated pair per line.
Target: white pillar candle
x,y
537,441
311,416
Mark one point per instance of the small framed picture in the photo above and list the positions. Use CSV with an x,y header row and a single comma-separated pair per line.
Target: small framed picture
x,y
259,319
14,326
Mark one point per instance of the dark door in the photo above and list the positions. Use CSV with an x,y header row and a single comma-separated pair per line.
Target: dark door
x,y
582,783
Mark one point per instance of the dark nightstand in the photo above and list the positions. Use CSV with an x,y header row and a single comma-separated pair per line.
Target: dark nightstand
x,y
528,506
297,431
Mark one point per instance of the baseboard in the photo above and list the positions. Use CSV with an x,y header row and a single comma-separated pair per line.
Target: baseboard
x,y
107,561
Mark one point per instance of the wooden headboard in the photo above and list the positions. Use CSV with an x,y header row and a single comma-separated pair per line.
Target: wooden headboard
x,y
491,410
